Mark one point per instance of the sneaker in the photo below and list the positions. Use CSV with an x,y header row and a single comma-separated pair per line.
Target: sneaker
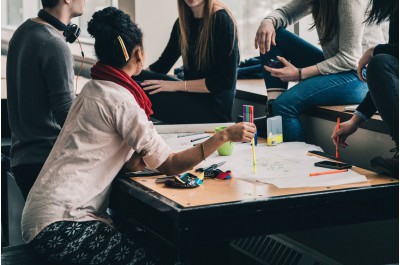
x,y
387,166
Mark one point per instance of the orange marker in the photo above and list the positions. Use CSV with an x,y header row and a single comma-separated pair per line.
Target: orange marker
x,y
327,172
338,139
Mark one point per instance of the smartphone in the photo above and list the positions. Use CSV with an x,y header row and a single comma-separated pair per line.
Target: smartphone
x,y
274,63
332,164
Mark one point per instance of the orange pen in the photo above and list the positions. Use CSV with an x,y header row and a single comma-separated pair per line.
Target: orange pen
x,y
328,172
338,139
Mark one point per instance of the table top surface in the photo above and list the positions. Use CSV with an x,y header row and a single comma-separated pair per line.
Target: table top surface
x,y
215,191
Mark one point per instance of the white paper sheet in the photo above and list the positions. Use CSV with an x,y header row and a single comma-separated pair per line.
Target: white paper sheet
x,y
184,142
190,128
286,165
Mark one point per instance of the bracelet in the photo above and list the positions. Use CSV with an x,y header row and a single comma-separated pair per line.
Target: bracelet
x,y
186,85
272,20
202,151
300,79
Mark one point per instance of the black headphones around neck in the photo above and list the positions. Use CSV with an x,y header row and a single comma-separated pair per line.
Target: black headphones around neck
x,y
71,31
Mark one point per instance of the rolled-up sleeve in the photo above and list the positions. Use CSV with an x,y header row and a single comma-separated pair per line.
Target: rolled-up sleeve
x,y
351,29
137,131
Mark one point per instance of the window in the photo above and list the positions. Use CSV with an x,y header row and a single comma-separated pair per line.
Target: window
x,y
90,8
15,12
248,16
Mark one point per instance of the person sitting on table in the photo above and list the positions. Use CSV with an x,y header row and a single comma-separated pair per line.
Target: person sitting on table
x,y
206,38
40,89
383,84
326,77
107,128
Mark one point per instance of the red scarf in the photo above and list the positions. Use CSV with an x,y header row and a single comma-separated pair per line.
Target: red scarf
x,y
101,71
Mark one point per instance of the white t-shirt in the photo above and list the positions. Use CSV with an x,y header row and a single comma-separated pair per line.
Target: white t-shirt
x,y
105,125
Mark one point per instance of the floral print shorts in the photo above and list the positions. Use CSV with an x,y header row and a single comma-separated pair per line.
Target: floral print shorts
x,y
90,242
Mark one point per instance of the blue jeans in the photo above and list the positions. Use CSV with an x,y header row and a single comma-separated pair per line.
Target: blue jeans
x,y
333,89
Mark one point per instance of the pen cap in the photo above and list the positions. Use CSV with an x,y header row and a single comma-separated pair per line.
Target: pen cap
x,y
274,125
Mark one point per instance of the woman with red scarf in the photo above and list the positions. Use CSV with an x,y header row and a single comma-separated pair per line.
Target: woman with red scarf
x,y
107,129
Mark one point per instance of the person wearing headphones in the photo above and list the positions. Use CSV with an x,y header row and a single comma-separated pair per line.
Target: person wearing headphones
x,y
40,91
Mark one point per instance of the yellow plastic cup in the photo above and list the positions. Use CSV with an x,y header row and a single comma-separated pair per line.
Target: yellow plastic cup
x,y
227,148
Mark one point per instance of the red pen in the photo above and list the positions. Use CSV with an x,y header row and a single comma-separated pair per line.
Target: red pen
x,y
337,139
327,172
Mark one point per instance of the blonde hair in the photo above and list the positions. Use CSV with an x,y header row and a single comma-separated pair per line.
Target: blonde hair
x,y
206,40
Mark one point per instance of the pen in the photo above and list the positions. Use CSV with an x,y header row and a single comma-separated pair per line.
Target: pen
x,y
189,134
253,150
338,139
328,172
204,137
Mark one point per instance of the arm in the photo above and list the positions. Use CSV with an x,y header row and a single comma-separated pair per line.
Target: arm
x,y
223,72
346,129
392,49
351,30
171,53
57,68
290,13
366,108
187,159
351,20
290,73
282,17
131,123
194,86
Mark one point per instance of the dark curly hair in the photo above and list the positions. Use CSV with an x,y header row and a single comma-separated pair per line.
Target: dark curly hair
x,y
105,26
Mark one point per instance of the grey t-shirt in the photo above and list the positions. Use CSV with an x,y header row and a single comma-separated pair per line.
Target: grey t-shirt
x,y
40,90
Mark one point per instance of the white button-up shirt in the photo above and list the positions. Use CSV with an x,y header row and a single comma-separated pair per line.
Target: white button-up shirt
x,y
105,125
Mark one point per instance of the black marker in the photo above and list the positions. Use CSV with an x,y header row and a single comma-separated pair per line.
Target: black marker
x,y
204,137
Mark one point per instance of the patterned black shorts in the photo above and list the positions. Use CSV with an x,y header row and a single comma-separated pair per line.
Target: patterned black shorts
x,y
91,242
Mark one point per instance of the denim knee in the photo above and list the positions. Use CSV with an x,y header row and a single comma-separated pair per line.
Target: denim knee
x,y
284,108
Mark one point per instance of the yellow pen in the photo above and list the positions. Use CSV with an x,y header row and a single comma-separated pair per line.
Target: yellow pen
x,y
253,150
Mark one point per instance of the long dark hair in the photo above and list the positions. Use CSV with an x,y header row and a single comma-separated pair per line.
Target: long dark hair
x,y
206,41
325,14
381,10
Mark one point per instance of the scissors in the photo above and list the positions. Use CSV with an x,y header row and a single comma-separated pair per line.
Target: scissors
x,y
212,167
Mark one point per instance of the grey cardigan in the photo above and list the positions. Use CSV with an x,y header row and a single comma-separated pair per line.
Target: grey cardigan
x,y
353,38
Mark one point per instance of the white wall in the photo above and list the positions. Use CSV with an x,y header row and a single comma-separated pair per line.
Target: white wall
x,y
156,19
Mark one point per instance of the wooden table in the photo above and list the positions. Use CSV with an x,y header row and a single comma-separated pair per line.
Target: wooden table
x,y
199,222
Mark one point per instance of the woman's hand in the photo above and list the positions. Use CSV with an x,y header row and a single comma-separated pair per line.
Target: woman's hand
x,y
265,36
158,86
240,132
288,73
346,129
364,61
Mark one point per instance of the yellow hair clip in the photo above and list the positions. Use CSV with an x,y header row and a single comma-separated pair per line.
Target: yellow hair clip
x,y
123,48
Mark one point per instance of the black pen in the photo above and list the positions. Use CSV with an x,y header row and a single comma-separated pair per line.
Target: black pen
x,y
204,137
189,134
